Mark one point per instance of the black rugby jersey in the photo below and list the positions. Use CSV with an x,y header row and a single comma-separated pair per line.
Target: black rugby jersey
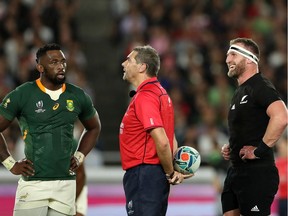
x,y
247,118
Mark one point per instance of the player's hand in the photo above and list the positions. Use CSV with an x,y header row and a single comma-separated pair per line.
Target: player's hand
x,y
74,164
247,152
225,150
23,167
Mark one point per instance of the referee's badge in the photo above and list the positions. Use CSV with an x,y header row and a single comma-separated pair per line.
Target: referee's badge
x,y
70,105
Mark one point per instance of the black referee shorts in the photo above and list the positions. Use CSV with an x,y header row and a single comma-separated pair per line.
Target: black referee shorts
x,y
146,190
250,189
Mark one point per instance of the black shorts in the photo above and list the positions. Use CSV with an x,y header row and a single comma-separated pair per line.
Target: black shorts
x,y
146,190
250,189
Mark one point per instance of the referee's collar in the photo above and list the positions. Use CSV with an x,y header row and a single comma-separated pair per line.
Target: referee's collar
x,y
145,82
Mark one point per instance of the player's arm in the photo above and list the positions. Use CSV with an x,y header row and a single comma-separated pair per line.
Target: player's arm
x,y
24,167
88,139
278,114
278,121
4,153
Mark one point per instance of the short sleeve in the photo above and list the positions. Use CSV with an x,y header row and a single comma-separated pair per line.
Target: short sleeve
x,y
147,107
87,107
9,108
266,94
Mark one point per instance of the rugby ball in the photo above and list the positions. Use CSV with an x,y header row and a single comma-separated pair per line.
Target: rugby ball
x,y
187,160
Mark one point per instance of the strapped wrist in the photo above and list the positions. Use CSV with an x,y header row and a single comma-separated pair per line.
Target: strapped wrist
x,y
261,150
79,156
9,163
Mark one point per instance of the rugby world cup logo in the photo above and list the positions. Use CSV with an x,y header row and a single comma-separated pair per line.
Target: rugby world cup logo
x,y
40,106
130,208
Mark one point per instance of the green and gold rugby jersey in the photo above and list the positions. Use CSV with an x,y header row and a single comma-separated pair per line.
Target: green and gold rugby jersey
x,y
47,125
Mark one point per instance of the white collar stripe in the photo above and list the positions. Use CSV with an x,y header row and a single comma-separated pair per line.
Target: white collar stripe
x,y
244,52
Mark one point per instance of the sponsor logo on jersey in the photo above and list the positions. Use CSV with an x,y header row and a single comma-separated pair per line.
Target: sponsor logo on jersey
x,y
55,107
39,106
70,105
255,209
25,134
7,101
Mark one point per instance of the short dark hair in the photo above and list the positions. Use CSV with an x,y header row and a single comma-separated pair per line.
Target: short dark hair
x,y
42,50
149,56
248,44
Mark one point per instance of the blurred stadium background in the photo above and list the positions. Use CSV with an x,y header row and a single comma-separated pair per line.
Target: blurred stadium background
x,y
192,38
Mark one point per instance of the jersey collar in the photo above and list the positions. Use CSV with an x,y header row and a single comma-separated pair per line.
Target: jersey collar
x,y
42,88
150,80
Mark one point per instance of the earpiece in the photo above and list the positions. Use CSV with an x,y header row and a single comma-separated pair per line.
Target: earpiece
x,y
132,93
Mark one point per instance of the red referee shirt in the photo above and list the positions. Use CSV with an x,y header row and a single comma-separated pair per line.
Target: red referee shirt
x,y
151,107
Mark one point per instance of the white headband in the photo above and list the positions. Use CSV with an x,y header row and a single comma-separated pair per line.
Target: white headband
x,y
244,52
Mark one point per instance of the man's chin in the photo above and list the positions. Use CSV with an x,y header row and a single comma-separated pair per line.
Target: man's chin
x,y
60,81
231,74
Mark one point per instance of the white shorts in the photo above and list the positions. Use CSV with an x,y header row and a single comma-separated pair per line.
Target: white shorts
x,y
82,201
58,195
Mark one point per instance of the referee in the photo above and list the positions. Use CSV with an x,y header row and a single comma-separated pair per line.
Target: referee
x,y
147,140
257,118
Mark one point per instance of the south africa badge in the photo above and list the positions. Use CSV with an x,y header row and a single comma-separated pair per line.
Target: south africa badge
x,y
70,105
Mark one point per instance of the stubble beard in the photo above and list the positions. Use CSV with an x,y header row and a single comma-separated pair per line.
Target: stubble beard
x,y
54,79
59,81
237,71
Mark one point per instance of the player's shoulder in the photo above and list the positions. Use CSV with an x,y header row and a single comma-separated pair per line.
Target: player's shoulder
x,y
262,82
77,92
27,86
74,88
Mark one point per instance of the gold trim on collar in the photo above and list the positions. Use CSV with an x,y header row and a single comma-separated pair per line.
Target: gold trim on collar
x,y
42,88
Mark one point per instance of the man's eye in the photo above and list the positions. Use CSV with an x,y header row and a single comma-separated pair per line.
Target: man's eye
x,y
58,62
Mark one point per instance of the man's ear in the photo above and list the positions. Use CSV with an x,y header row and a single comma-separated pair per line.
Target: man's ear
x,y
40,68
249,61
143,67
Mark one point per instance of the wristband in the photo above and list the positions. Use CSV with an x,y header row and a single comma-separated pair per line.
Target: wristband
x,y
79,156
9,162
170,176
261,150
